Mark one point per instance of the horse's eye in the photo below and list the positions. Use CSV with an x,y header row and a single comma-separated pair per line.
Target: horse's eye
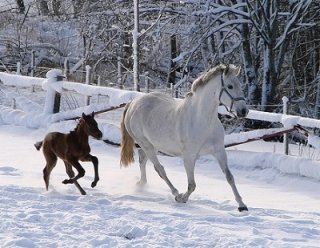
x,y
230,87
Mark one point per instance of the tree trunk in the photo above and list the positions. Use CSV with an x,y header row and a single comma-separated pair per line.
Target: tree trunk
x,y
135,45
269,78
172,73
43,5
56,5
249,69
21,6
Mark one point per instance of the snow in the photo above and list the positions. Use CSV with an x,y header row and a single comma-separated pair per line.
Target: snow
x,y
282,193
283,208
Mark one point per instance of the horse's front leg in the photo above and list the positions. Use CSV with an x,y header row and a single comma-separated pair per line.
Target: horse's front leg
x,y
71,174
221,156
189,164
79,168
95,163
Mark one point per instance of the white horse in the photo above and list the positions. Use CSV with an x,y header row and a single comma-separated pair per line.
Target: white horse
x,y
188,128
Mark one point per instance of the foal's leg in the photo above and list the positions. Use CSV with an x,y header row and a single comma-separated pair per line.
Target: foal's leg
x,y
142,162
189,164
70,173
151,154
51,161
221,156
79,168
95,162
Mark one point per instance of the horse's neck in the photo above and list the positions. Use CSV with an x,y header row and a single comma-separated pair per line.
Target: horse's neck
x,y
206,99
82,133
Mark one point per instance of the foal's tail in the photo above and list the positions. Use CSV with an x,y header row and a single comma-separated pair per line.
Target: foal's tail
x,y
127,143
38,145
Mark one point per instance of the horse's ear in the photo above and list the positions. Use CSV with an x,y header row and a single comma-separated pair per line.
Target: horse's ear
x,y
238,70
92,114
83,115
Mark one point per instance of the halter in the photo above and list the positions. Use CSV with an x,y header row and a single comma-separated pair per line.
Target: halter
x,y
233,99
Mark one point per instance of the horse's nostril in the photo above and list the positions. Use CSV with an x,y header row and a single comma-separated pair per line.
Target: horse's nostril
x,y
242,112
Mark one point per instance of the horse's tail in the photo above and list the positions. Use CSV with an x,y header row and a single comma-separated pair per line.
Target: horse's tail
x,y
127,143
38,145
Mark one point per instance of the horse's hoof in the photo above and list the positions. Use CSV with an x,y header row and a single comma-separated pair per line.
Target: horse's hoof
x,y
181,199
93,184
243,209
67,181
141,183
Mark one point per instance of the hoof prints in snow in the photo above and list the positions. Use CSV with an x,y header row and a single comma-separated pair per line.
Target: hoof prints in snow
x,y
8,171
34,219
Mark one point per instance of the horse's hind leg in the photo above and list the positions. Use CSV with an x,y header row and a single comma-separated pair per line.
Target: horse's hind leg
x,y
222,159
151,154
142,162
71,174
51,161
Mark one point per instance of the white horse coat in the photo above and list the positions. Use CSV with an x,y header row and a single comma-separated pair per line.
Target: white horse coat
x,y
188,128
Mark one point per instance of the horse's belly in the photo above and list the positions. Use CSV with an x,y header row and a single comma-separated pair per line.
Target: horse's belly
x,y
168,149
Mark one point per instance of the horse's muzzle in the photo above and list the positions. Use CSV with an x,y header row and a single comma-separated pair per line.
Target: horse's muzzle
x,y
242,112
98,135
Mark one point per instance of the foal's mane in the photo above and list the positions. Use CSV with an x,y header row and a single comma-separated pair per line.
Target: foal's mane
x,y
205,77
78,125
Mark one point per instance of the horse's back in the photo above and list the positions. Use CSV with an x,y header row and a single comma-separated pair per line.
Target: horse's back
x,y
154,100
55,137
154,118
54,143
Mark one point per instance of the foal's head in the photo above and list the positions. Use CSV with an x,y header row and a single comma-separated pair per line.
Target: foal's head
x,y
92,125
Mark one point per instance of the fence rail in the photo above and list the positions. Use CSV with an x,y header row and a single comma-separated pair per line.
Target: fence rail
x,y
118,96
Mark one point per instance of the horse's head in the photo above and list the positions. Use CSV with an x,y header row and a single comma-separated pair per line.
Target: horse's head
x,y
231,94
92,125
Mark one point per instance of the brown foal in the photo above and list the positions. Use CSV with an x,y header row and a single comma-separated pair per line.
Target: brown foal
x,y
71,148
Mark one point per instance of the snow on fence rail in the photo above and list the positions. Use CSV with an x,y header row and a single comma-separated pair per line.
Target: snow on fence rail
x,y
117,97
28,117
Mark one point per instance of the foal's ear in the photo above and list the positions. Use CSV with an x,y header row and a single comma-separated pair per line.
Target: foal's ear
x,y
92,114
83,115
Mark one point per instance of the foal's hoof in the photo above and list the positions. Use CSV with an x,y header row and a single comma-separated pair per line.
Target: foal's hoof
x,y
244,208
93,184
67,181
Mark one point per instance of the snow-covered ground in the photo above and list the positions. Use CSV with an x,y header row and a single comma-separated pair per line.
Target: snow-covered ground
x,y
284,209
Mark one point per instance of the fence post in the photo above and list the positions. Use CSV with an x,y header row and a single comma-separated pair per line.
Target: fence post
x,y
88,75
18,72
147,81
32,67
14,104
52,104
99,84
32,63
285,101
119,76
66,69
